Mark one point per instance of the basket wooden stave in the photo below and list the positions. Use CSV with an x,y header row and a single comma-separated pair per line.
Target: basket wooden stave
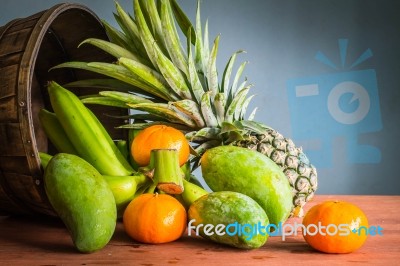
x,y
29,47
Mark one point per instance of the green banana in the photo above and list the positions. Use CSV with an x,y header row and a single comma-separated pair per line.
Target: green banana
x,y
124,188
86,133
55,132
44,159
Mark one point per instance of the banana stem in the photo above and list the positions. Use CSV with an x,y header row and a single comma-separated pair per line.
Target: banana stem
x,y
44,159
168,177
191,193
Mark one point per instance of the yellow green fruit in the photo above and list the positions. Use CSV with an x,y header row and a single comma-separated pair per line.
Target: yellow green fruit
x,y
82,199
251,173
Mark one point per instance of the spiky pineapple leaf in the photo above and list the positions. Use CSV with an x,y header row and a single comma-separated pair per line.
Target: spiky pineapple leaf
x,y
151,15
131,29
148,124
171,37
241,102
125,97
114,49
206,47
212,73
207,111
171,73
197,87
200,149
104,83
104,100
235,89
252,114
199,57
250,126
228,71
219,104
114,71
191,109
206,133
167,111
236,104
244,107
151,77
183,21
115,35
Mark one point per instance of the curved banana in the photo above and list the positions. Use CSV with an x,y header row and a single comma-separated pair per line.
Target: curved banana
x,y
55,132
86,133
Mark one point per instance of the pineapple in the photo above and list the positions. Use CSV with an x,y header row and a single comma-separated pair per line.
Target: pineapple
x,y
180,87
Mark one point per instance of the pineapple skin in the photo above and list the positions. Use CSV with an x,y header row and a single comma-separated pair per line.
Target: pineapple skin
x,y
302,175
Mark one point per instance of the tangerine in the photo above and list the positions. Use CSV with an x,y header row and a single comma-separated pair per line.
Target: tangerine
x,y
337,227
155,218
159,137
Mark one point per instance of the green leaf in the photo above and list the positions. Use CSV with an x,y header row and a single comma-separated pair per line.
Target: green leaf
x,y
227,73
244,108
102,100
171,37
114,49
171,73
131,28
144,125
197,87
251,126
191,109
204,134
114,71
183,21
104,83
116,36
219,104
145,34
165,110
207,111
212,74
236,104
125,97
150,77
154,22
252,114
237,77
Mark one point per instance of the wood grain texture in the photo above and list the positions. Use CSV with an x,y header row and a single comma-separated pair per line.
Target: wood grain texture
x,y
45,241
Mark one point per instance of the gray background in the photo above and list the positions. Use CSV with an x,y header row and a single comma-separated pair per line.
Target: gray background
x,y
281,38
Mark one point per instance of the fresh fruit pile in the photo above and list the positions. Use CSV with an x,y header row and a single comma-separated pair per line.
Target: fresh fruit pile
x,y
188,119
176,83
90,183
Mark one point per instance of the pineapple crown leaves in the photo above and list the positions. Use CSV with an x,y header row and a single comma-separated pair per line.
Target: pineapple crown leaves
x,y
171,84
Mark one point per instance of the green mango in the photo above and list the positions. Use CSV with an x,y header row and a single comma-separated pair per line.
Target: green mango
x,y
82,199
251,173
229,218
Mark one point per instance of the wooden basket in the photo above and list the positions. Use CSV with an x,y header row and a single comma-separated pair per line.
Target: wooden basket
x,y
29,47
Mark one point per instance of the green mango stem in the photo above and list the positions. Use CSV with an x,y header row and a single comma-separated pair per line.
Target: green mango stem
x,y
191,193
168,176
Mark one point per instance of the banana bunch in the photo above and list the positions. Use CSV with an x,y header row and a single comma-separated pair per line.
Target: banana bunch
x,y
74,129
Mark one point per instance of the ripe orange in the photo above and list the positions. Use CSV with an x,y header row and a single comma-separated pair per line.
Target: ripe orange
x,y
159,137
335,227
155,218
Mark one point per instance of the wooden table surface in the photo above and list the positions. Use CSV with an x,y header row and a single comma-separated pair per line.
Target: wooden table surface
x,y
39,241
